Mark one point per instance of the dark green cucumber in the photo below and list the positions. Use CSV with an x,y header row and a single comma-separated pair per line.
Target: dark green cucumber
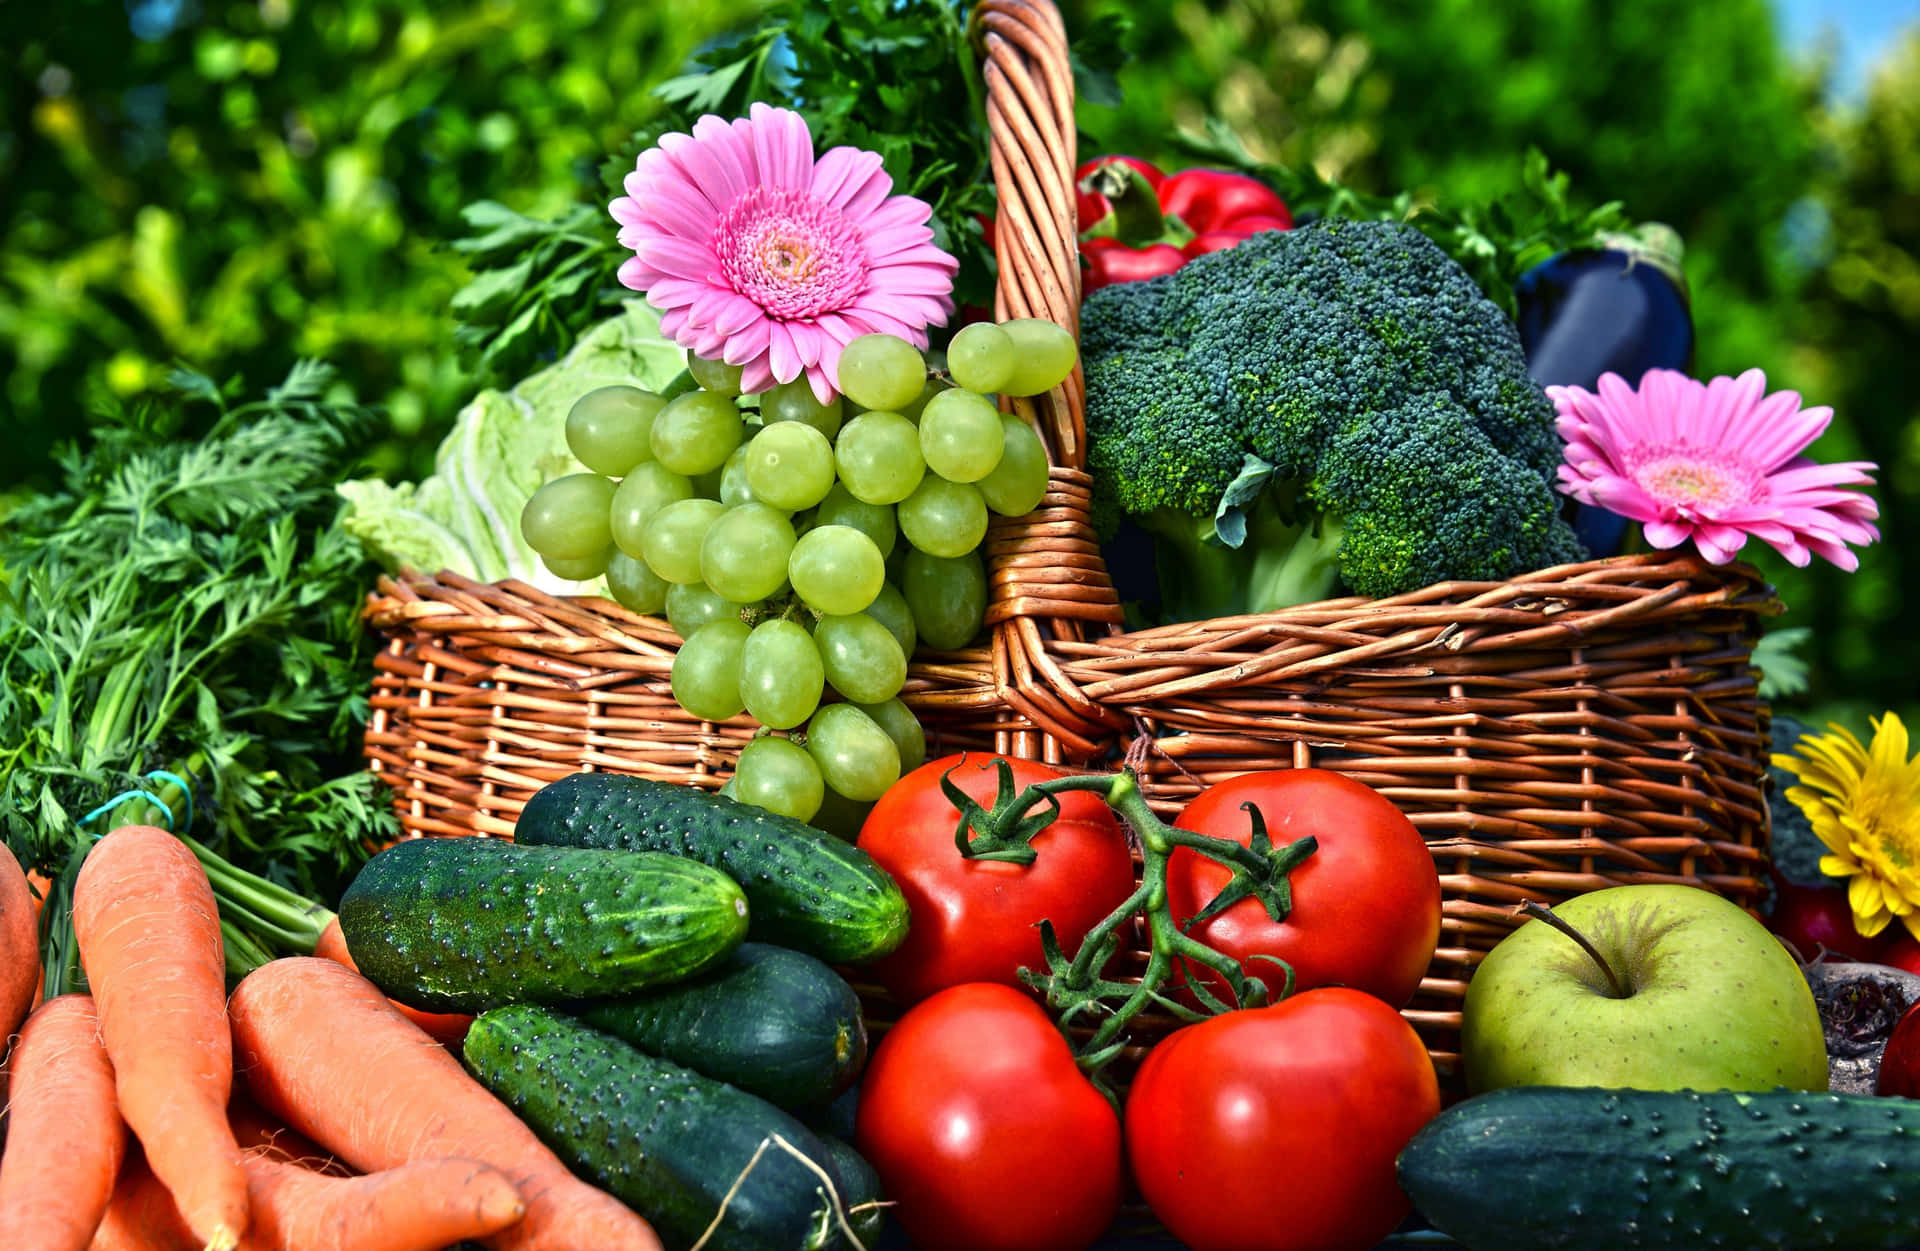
x,y
808,891
860,1192
775,1023
1605,1169
660,1137
466,924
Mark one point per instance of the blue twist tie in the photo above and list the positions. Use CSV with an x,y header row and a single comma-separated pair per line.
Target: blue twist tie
x,y
186,790
122,798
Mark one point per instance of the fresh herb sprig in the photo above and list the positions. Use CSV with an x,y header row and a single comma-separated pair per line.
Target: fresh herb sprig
x,y
189,605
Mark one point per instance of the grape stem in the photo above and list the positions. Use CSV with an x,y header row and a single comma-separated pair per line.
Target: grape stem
x,y
1075,987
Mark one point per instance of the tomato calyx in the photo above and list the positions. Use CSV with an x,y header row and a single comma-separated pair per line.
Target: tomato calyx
x,y
1269,883
1005,833
1075,986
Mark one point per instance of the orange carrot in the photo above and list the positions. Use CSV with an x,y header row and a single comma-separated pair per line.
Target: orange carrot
x,y
323,1050
141,1216
446,1028
149,938
416,1207
262,1135
66,1140
19,947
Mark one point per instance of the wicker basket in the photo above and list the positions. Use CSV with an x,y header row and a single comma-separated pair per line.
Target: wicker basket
x,y
1579,727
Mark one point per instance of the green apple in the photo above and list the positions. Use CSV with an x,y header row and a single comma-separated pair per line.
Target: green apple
x,y
1694,994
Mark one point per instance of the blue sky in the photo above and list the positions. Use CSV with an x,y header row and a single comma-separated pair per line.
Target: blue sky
x,y
1865,29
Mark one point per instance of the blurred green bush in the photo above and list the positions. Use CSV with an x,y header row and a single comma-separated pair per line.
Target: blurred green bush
x,y
238,185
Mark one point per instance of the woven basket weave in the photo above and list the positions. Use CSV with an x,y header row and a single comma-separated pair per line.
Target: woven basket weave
x,y
1580,727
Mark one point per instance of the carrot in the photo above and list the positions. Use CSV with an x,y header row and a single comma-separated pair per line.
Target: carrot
x,y
19,947
149,938
141,1215
416,1207
446,1028
66,1139
323,1050
260,1134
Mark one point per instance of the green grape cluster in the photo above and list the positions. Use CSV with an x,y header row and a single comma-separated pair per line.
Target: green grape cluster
x,y
802,550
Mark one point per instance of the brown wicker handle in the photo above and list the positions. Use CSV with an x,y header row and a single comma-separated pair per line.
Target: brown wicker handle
x,y
1048,579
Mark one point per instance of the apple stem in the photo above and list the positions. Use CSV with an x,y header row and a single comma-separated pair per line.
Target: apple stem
x,y
1543,913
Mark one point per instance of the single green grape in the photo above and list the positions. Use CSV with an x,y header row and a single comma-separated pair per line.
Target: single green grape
x,y
840,816
781,674
585,569
706,671
691,605
608,428
777,774
1044,354
647,488
836,569
948,597
960,436
855,756
696,432
672,538
981,357
1019,482
635,587
878,456
734,490
882,372
919,405
944,518
890,609
843,508
790,465
795,401
744,554
715,376
863,660
568,518
909,737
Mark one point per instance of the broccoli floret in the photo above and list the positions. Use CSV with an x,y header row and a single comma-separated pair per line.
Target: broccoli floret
x,y
1333,404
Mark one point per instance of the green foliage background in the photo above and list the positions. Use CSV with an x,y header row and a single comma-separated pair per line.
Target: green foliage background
x,y
238,185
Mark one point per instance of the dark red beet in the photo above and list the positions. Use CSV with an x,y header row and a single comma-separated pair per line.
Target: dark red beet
x,y
1902,953
1900,1062
1808,918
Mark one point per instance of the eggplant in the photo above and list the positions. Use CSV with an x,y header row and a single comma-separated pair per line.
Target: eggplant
x,y
1618,308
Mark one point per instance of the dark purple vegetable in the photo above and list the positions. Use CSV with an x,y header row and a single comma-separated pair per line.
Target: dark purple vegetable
x,y
1622,309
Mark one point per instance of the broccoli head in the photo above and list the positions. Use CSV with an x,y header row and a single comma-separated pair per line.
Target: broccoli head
x,y
1333,404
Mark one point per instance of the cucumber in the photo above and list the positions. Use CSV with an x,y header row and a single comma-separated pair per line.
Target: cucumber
x,y
1535,1166
860,1192
466,924
807,891
775,1023
660,1137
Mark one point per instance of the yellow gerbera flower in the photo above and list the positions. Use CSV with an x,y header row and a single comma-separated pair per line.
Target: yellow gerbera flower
x,y
1865,806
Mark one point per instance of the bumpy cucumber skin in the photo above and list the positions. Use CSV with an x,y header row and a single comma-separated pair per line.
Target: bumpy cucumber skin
x,y
466,924
808,891
1606,1169
661,1138
775,1023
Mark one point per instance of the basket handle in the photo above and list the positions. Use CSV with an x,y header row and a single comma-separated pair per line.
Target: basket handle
x,y
1048,581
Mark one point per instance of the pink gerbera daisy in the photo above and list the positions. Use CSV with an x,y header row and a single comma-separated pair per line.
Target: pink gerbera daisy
x,y
1713,462
758,255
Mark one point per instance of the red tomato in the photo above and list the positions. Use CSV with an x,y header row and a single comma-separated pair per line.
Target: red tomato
x,y
1902,953
984,1132
1366,903
978,920
1808,918
1276,1128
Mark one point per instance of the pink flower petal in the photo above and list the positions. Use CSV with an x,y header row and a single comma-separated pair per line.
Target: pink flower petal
x,y
1666,534
782,148
781,356
631,273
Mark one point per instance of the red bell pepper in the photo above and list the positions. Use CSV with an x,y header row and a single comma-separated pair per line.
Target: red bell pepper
x,y
1137,222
